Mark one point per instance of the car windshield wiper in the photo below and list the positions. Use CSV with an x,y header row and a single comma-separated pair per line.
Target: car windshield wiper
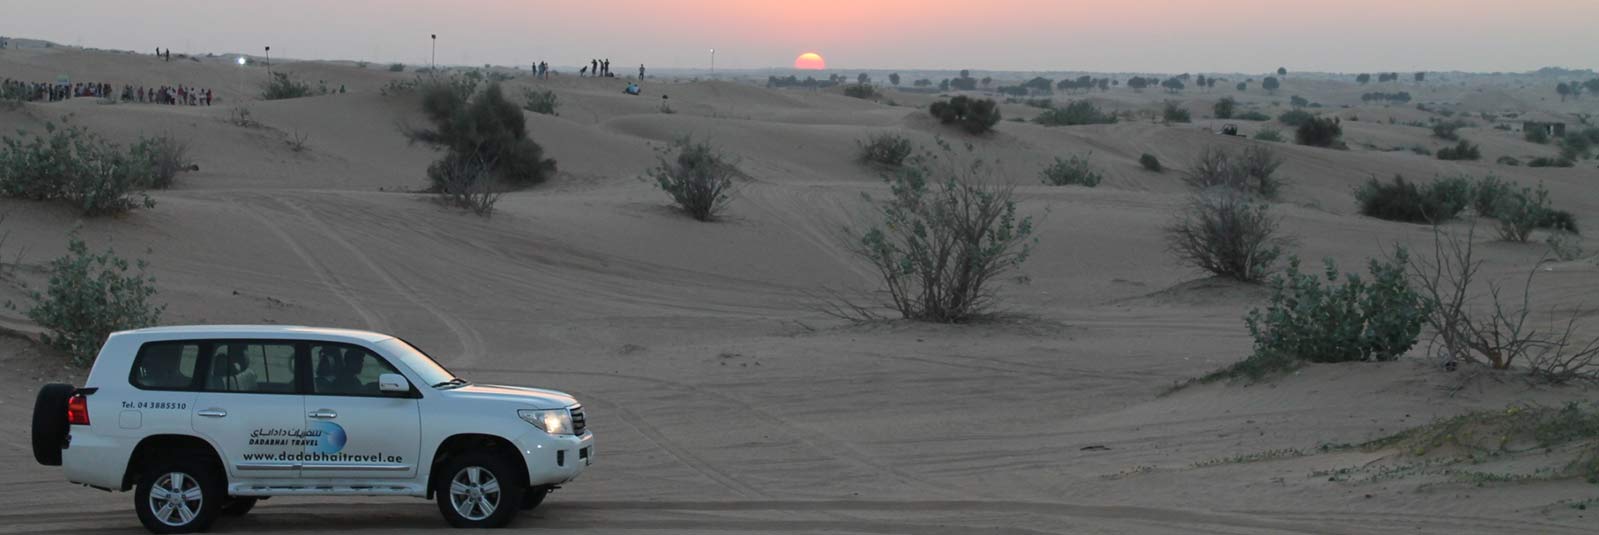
x,y
457,382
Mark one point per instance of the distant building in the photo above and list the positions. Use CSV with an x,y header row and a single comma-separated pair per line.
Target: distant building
x,y
1555,127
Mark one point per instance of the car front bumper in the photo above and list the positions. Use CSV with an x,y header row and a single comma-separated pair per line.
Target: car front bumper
x,y
555,459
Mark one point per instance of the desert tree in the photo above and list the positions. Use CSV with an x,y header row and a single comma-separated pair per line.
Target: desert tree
x,y
1270,84
1421,77
1224,108
894,79
1282,71
863,79
470,124
1363,78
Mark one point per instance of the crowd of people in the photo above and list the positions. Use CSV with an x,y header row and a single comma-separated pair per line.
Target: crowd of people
x,y
59,91
598,68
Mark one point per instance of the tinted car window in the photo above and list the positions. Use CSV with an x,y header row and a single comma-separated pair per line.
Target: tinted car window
x,y
253,367
165,365
345,370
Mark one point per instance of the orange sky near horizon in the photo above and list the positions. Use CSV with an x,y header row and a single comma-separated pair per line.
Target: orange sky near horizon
x,y
1099,35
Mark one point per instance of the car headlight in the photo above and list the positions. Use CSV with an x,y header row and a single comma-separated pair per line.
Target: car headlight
x,y
553,421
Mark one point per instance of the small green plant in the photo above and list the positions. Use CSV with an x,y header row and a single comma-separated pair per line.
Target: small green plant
x,y
1461,151
1150,163
975,116
886,149
1075,113
90,296
1072,171
699,178
1173,112
540,101
1269,134
1402,200
282,86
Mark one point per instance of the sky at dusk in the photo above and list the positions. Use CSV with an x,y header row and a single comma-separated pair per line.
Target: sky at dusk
x,y
1087,35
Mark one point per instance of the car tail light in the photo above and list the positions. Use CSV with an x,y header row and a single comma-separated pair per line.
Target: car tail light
x,y
78,410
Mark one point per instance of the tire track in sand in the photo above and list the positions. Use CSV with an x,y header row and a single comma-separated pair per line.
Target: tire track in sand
x,y
338,287
684,456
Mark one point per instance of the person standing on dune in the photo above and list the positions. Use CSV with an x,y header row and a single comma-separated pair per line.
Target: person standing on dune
x,y
641,71
594,66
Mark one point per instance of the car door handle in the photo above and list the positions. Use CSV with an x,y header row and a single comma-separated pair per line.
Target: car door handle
x,y
323,414
212,413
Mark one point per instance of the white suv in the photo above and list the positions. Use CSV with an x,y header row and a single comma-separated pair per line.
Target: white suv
x,y
204,421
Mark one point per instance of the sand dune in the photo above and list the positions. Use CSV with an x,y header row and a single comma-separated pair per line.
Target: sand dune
x,y
724,401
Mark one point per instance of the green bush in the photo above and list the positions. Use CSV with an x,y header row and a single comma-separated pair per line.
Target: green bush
x,y
1522,211
1269,134
699,179
1150,162
281,86
886,149
1449,130
1295,118
1462,151
1545,161
1486,192
71,164
1575,146
1225,233
165,156
1075,113
948,235
1072,171
1401,200
1224,108
1252,115
90,296
540,101
861,91
478,128
975,116
397,67
1172,112
1320,132
1335,318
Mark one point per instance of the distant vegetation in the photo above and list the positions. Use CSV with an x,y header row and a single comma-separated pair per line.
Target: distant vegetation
x,y
1224,108
397,67
1295,118
90,296
1269,134
886,149
1252,115
698,178
946,238
1461,151
1075,113
71,164
1224,232
1271,85
861,90
975,116
540,101
1150,163
282,86
1401,200
1320,132
1173,112
1252,171
1072,171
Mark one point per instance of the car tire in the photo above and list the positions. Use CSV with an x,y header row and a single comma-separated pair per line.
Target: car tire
x,y
50,423
479,490
191,511
534,497
238,506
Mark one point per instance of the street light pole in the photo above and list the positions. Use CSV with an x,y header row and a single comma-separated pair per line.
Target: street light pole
x,y
433,62
713,63
269,62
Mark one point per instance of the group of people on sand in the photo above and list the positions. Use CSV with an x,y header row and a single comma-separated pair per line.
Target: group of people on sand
x,y
541,70
600,68
59,91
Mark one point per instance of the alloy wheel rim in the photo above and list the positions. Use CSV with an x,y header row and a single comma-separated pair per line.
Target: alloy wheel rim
x,y
474,493
175,499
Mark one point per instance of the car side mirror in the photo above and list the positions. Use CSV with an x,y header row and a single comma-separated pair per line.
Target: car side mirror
x,y
393,383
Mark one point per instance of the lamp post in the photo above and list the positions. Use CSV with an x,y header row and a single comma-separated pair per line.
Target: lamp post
x,y
433,62
713,63
242,61
269,62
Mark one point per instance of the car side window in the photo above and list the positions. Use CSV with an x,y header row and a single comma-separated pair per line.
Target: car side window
x,y
346,370
165,365
251,367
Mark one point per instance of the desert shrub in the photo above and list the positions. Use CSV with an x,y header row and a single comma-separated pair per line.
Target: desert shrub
x,y
1072,171
861,91
1339,317
1486,192
470,184
1545,161
1225,233
283,86
1566,246
397,67
473,125
1295,118
1040,103
1522,211
1252,171
1575,146
1172,112
69,163
1075,113
886,149
540,101
165,156
1258,164
945,239
1558,221
1224,108
1319,132
1462,151
1252,115
1509,160
975,116
1150,162
1449,130
1402,200
90,296
1269,134
1536,135
699,178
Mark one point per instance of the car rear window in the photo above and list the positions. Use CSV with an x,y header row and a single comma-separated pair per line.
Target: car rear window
x,y
251,367
165,365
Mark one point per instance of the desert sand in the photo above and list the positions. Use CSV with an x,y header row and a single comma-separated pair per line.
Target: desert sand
x,y
722,400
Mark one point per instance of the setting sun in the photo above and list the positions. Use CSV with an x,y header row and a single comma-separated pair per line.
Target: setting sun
x,y
810,61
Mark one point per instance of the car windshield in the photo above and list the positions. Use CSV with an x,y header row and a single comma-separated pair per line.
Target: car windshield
x,y
424,366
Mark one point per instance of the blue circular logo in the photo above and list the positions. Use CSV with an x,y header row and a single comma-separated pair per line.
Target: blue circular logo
x,y
330,438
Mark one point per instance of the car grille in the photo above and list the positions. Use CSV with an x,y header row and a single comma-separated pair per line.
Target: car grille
x,y
579,422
